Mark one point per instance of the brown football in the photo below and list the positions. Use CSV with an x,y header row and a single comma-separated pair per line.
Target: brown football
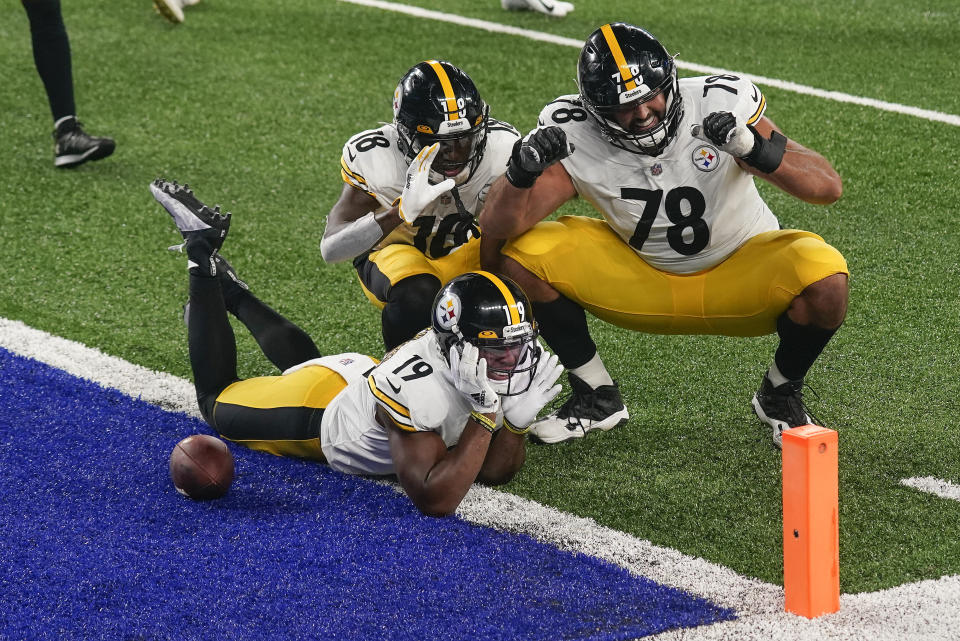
x,y
201,467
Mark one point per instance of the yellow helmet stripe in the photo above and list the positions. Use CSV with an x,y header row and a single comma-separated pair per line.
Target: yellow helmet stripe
x,y
507,296
446,86
625,74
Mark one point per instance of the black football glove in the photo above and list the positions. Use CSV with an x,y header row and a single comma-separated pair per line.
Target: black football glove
x,y
742,141
532,155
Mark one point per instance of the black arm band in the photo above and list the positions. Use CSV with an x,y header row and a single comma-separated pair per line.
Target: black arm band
x,y
517,175
767,154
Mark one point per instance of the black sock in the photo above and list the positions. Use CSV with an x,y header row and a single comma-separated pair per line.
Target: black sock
x,y
282,342
800,345
213,349
563,324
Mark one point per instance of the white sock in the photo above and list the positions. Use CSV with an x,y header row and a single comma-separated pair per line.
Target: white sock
x,y
593,373
776,378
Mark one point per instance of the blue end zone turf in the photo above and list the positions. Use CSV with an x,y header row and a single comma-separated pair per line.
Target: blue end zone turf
x,y
96,544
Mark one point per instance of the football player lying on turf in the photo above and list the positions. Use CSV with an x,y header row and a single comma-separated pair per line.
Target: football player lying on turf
x,y
450,407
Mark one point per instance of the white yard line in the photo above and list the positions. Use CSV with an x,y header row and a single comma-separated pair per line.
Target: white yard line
x,y
496,27
932,485
927,610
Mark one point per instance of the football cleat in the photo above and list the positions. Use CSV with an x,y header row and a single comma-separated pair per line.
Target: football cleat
x,y
191,216
172,10
585,410
73,146
781,407
556,8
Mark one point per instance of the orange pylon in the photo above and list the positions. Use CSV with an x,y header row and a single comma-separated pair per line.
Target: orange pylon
x,y
811,530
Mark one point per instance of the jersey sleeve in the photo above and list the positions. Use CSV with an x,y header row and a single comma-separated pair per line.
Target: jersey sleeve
x,y
732,93
369,162
409,390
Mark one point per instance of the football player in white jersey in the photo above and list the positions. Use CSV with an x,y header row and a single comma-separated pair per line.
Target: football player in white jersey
x,y
446,409
686,245
412,189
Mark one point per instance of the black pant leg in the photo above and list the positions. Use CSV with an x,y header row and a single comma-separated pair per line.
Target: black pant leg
x,y
51,54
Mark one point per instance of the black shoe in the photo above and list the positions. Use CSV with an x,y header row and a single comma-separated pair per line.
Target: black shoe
x,y
190,215
586,409
781,407
74,146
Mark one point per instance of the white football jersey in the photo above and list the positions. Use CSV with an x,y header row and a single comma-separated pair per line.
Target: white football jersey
x,y
413,384
373,162
688,208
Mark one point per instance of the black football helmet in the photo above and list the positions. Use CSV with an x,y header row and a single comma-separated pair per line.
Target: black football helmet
x,y
621,66
437,102
494,314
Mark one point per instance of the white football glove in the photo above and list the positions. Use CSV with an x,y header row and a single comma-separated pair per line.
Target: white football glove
x,y
418,192
470,376
722,129
522,409
550,7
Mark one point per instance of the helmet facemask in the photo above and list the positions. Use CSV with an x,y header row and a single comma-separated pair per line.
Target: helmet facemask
x,y
651,142
459,154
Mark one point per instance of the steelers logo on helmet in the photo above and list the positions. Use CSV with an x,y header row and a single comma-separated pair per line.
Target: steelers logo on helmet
x,y
447,311
495,315
397,99
622,66
436,102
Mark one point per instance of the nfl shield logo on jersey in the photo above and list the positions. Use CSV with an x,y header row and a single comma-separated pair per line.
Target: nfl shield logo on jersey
x,y
656,169
705,158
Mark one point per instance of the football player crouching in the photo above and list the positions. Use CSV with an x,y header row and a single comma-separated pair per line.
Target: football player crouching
x,y
412,189
686,243
441,411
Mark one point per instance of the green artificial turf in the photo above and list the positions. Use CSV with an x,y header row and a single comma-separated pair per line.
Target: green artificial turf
x,y
251,103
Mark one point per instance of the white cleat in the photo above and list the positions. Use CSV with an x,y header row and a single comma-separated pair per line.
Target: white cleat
x,y
555,8
586,410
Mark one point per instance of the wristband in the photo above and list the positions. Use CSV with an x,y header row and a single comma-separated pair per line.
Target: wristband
x,y
517,175
767,154
484,421
352,240
520,431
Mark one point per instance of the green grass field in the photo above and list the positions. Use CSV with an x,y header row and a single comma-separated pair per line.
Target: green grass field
x,y
250,102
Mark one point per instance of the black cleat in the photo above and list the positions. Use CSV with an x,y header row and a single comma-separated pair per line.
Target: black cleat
x,y
191,216
586,409
73,146
781,407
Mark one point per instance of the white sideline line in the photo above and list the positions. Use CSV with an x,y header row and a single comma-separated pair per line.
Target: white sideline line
x,y
923,611
932,485
496,27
